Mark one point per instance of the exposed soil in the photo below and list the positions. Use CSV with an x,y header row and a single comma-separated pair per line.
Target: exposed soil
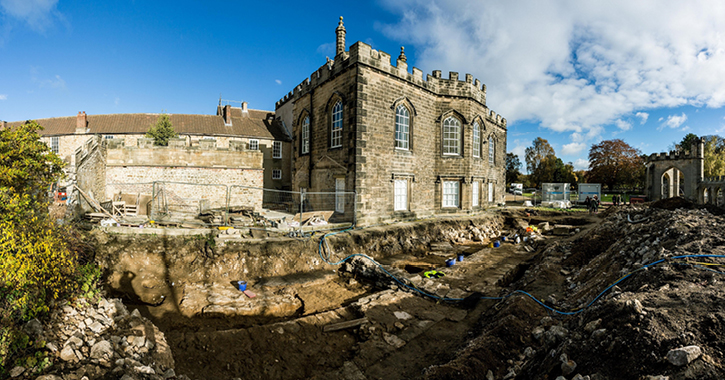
x,y
397,333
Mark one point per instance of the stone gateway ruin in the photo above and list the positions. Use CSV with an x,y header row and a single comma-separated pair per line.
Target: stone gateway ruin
x,y
681,174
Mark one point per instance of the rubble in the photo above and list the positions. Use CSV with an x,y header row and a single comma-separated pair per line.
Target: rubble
x,y
665,311
100,340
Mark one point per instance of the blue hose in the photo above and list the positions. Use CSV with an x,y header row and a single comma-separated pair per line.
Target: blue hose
x,y
547,307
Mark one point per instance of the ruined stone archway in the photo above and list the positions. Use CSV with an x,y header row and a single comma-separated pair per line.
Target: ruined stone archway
x,y
676,174
672,183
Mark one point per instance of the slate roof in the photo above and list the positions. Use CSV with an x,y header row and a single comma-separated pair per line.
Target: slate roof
x,y
258,124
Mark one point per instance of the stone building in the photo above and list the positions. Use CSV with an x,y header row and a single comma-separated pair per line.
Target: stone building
x,y
232,128
409,146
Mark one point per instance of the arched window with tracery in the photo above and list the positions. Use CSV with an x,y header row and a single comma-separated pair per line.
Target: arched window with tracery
x,y
336,128
451,136
402,128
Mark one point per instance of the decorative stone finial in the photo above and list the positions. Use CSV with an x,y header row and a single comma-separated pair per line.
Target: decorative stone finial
x,y
402,56
340,32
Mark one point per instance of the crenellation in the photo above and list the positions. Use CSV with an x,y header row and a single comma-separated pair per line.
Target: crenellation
x,y
469,78
452,76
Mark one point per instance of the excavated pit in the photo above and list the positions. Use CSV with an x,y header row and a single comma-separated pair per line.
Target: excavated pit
x,y
313,320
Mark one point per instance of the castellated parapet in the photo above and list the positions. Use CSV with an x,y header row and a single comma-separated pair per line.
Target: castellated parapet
x,y
697,151
364,54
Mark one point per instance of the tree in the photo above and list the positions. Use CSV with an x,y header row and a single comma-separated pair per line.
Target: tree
x,y
36,263
535,157
513,168
714,156
615,163
686,143
162,131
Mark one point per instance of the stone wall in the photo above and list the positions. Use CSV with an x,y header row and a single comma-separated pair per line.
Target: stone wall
x,y
193,178
90,171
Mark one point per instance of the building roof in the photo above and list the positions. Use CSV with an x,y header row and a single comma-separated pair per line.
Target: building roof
x,y
260,124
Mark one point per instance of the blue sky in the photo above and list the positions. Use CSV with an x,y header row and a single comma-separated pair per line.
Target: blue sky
x,y
572,72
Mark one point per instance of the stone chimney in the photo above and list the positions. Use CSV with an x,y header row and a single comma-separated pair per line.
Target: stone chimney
x,y
340,31
81,123
245,110
227,114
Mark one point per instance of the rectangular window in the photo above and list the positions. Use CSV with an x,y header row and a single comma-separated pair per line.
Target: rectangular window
x,y
401,195
276,174
339,195
490,192
277,149
55,144
253,144
474,193
108,137
450,193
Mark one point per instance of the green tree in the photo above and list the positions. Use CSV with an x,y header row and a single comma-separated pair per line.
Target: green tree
x,y
513,168
615,163
162,131
538,162
27,169
714,156
686,143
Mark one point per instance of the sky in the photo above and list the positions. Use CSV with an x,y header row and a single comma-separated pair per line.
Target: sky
x,y
572,72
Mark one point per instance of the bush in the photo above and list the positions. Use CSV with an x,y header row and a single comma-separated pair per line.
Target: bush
x,y
39,260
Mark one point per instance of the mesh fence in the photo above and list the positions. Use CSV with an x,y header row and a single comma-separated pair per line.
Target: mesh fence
x,y
183,203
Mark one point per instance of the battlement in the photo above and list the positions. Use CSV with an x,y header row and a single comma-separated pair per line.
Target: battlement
x,y
697,151
714,180
363,54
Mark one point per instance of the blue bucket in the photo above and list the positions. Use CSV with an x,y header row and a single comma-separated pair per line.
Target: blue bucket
x,y
242,285
460,257
496,244
450,262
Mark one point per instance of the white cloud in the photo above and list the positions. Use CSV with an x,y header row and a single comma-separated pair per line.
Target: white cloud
x,y
673,121
643,116
3,97
573,148
327,49
623,125
581,164
573,65
38,14
277,81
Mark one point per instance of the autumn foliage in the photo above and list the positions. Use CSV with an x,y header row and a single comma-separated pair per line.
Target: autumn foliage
x,y
615,163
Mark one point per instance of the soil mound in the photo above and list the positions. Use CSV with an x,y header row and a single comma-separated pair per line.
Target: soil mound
x,y
640,297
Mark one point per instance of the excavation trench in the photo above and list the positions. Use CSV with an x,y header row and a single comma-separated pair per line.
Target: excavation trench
x,y
309,319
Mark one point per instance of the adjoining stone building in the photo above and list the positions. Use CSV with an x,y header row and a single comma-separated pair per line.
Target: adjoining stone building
x,y
409,147
237,127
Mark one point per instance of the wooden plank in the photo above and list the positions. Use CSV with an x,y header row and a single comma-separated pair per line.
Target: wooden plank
x,y
345,325
93,202
307,215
